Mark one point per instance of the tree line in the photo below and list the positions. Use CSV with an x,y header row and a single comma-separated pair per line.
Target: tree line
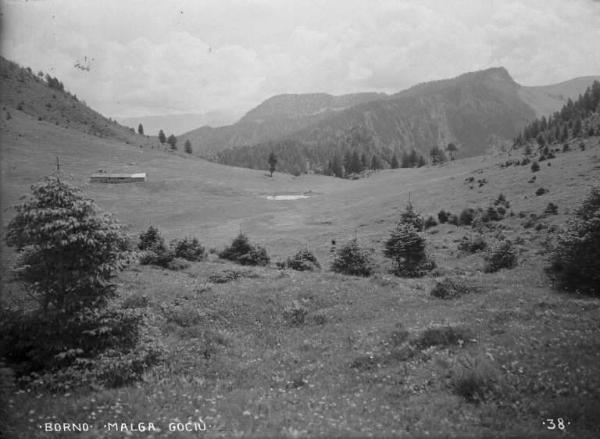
x,y
570,121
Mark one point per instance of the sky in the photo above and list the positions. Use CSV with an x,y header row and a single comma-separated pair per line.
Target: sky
x,y
131,58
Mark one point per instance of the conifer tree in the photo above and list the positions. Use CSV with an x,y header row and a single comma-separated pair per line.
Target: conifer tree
x,y
188,146
172,140
161,137
272,162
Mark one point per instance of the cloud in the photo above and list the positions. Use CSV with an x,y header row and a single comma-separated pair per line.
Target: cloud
x,y
156,57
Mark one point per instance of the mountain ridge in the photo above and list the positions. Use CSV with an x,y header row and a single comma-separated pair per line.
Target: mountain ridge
x,y
471,110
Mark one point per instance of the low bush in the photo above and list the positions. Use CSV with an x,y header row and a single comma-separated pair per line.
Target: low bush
x,y
244,252
294,314
162,258
493,214
466,216
230,275
303,260
444,336
501,255
181,314
177,264
502,201
443,216
551,209
575,262
541,191
152,240
107,347
430,222
472,243
189,249
353,260
474,378
136,301
535,167
451,288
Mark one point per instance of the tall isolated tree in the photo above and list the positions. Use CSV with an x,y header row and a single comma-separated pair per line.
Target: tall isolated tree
x,y
451,148
172,140
335,166
187,146
68,254
141,129
437,156
405,161
413,159
375,163
68,249
161,137
363,161
272,162
355,166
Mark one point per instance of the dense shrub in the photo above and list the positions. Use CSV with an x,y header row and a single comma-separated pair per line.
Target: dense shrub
x,y
501,201
177,264
453,219
162,259
450,288
230,275
472,244
474,378
303,260
152,240
466,216
501,255
353,260
493,214
443,336
189,249
68,253
244,252
294,314
430,222
551,209
406,247
575,262
443,216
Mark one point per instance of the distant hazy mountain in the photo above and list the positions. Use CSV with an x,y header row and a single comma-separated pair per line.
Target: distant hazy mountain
x,y
179,123
472,111
547,99
275,118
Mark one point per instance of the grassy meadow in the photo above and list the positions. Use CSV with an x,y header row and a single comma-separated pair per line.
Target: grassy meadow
x,y
366,357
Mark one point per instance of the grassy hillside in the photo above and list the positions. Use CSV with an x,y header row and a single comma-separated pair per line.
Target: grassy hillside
x,y
263,352
358,363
